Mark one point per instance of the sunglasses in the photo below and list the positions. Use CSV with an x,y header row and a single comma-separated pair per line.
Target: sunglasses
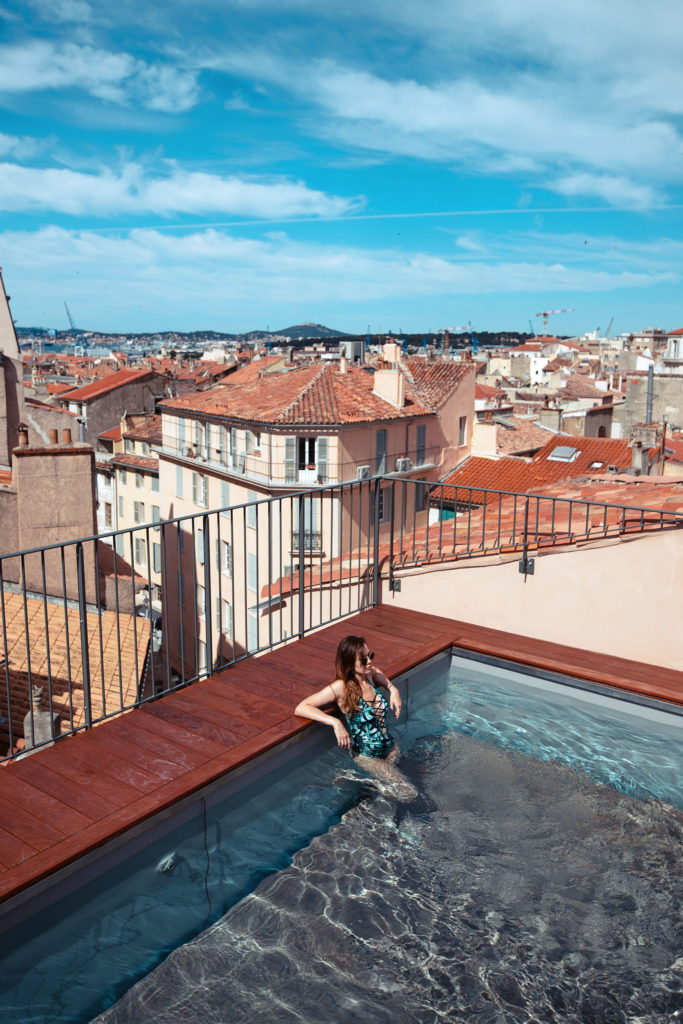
x,y
366,658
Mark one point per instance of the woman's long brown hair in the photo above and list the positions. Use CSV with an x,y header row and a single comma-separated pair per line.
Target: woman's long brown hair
x,y
346,671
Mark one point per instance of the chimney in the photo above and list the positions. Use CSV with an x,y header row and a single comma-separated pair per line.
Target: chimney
x,y
343,365
23,435
390,353
391,386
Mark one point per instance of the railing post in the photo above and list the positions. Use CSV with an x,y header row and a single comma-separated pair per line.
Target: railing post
x,y
83,620
375,542
208,605
302,524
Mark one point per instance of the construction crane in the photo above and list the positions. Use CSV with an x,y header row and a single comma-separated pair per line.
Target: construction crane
x,y
71,320
609,327
552,312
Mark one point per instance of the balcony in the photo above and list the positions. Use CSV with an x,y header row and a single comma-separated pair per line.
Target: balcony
x,y
257,466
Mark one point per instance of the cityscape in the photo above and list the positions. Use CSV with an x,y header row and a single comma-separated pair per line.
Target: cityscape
x,y
341,385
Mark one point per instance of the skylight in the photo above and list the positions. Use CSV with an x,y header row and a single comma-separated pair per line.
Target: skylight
x,y
596,465
563,453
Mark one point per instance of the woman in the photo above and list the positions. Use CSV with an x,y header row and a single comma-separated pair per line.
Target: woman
x,y
365,710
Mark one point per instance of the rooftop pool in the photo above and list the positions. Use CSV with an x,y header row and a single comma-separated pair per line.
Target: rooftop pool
x,y
537,876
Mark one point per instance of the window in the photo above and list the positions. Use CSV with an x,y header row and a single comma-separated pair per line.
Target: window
x,y
222,445
421,443
201,601
181,434
145,447
120,506
383,506
155,484
122,476
252,574
179,481
138,511
156,557
156,518
129,445
200,546
107,513
306,452
462,430
224,617
140,551
200,490
252,513
247,441
226,559
257,441
139,479
381,452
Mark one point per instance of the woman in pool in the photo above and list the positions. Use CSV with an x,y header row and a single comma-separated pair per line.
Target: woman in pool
x,y
365,710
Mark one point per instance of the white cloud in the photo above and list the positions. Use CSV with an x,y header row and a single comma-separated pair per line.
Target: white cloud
x,y
614,189
211,276
65,10
115,77
22,147
131,191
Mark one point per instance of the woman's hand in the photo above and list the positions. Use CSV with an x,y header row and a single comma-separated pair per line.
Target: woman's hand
x,y
342,735
395,702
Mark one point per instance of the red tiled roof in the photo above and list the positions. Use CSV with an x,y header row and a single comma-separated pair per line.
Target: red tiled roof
x,y
5,477
594,455
251,371
673,450
519,436
435,381
679,330
116,379
143,427
150,465
577,386
114,434
54,388
315,394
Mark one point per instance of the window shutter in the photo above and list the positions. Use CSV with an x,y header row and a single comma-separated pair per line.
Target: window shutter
x,y
290,460
381,452
322,459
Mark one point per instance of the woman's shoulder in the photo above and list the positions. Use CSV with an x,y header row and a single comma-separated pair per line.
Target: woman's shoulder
x,y
337,687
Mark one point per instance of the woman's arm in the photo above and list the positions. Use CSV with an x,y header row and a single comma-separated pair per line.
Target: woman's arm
x,y
395,703
310,707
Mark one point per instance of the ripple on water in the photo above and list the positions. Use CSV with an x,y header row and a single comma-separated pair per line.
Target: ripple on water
x,y
512,890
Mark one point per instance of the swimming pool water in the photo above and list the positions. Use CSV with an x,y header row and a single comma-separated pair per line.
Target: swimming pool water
x,y
537,877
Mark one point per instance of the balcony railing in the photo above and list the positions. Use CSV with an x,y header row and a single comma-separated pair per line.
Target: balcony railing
x,y
80,641
258,466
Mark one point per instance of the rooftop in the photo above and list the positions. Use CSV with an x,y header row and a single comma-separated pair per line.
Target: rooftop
x,y
111,382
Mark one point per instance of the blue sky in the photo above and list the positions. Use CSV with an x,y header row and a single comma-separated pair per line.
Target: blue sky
x,y
243,163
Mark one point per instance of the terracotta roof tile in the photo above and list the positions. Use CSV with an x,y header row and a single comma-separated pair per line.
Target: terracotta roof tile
x,y
112,381
516,436
315,394
150,465
121,637
114,434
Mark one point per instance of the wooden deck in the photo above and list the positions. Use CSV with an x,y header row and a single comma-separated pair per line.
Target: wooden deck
x,y
68,799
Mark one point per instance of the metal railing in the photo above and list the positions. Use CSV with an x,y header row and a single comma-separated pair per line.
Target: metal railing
x,y
78,620
82,638
257,465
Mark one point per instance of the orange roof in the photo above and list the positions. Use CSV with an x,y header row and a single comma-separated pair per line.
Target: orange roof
x,y
145,462
5,477
517,435
113,639
54,388
116,379
114,434
584,455
143,427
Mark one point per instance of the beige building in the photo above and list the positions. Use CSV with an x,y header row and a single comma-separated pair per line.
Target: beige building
x,y
137,497
331,427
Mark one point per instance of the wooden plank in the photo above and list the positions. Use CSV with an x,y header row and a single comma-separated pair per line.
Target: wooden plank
x,y
152,739
211,738
39,773
14,790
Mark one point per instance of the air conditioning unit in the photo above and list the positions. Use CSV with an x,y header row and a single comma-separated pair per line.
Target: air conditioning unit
x,y
363,473
403,465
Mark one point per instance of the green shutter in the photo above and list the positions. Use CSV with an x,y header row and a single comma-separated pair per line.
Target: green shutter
x,y
290,460
321,452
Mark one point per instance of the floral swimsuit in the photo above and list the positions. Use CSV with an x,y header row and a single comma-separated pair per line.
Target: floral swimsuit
x,y
368,729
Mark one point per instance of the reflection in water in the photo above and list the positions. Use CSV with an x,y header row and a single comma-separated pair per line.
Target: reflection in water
x,y
512,890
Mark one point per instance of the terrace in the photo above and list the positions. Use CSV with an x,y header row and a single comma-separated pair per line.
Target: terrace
x,y
537,579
